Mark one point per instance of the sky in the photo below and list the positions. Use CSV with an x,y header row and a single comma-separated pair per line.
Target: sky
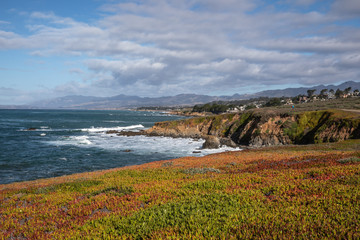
x,y
153,48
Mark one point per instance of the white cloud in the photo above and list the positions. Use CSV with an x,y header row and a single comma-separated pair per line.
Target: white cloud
x,y
313,44
4,22
347,8
168,47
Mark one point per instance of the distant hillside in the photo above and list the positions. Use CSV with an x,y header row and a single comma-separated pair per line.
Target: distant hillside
x,y
16,107
124,101
291,92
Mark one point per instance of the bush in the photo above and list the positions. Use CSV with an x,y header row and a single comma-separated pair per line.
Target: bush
x,y
201,170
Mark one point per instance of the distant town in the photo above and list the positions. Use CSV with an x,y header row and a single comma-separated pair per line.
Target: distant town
x,y
236,106
311,96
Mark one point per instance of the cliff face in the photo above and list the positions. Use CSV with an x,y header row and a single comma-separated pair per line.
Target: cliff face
x,y
265,128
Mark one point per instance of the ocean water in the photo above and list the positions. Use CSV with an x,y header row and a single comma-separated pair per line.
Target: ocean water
x,y
73,141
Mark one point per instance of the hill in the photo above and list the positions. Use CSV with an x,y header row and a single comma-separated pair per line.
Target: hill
x,y
125,101
291,92
122,101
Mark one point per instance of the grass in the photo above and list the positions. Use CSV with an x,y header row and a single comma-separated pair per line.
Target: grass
x,y
288,192
343,103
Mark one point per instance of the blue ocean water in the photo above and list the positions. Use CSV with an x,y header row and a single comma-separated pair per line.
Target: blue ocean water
x,y
48,143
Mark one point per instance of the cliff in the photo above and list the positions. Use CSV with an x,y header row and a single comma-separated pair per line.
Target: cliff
x,y
266,128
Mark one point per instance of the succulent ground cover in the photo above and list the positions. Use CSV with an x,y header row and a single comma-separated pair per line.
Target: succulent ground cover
x,y
292,192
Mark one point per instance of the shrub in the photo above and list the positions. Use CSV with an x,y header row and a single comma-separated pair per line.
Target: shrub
x,y
349,160
115,191
201,170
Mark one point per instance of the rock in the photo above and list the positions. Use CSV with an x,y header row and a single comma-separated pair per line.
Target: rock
x,y
126,133
127,150
130,133
269,140
31,129
228,142
211,142
196,151
112,132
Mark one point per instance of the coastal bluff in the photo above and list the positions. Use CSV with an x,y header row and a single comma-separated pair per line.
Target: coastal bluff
x,y
265,128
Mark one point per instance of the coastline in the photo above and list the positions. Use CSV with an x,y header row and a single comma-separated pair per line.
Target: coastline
x,y
182,197
159,164
48,143
259,128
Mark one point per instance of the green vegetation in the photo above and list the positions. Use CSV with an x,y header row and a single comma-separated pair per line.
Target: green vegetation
x,y
299,127
289,192
213,108
115,191
349,160
310,125
76,186
273,102
200,170
322,102
342,103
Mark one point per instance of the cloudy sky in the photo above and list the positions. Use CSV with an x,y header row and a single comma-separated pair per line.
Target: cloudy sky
x,y
167,47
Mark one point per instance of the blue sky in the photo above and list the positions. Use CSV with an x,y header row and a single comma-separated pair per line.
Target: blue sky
x,y
160,48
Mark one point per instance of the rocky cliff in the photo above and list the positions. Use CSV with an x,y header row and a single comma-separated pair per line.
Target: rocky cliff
x,y
265,128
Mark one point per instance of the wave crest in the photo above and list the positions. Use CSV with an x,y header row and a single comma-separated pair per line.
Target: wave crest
x,y
103,129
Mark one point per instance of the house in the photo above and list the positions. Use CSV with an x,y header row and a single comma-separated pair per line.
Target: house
x,y
235,110
303,99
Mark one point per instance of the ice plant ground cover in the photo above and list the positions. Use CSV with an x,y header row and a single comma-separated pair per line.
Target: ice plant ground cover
x,y
292,192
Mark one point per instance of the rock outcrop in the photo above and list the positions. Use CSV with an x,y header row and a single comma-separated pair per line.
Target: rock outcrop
x,y
211,142
126,133
264,128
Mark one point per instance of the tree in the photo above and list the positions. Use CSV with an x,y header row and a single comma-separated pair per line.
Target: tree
x,y
197,108
251,106
356,92
338,93
213,108
347,90
323,93
332,91
273,102
295,100
311,92
218,108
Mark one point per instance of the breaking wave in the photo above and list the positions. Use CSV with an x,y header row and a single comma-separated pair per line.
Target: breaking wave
x,y
105,129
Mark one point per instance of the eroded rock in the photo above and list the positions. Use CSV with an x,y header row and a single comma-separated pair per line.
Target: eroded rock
x,y
211,142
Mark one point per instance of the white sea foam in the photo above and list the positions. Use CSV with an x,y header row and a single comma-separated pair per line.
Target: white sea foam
x,y
82,140
42,129
96,137
102,129
72,140
115,121
142,145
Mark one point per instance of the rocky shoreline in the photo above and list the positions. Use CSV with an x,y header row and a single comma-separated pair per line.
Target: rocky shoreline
x,y
255,129
211,142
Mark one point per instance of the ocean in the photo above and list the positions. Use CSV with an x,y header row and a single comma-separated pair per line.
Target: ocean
x,y
38,144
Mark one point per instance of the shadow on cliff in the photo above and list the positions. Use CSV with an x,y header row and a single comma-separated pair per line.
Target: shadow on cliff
x,y
310,136
244,132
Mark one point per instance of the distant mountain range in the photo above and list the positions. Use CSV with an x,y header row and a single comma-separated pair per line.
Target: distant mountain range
x,y
292,92
124,101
